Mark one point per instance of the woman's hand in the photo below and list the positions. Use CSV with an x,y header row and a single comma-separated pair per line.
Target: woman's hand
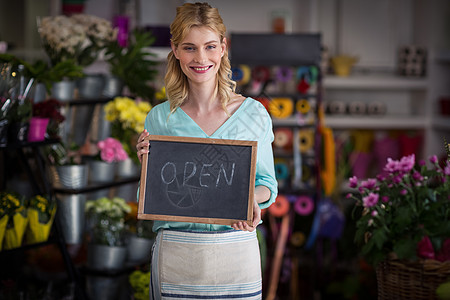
x,y
142,146
256,219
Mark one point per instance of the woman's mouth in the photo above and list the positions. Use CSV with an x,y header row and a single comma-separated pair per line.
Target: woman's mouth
x,y
201,69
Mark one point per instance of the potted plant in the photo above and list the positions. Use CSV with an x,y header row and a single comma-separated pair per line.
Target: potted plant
x,y
132,64
127,118
403,225
106,244
49,109
103,166
41,213
140,237
12,212
139,281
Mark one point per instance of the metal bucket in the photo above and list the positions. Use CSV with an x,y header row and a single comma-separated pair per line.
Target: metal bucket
x,y
113,86
91,86
127,168
139,248
101,171
71,217
63,90
102,257
73,176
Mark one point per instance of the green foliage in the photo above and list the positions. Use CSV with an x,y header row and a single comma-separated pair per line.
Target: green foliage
x,y
133,63
140,282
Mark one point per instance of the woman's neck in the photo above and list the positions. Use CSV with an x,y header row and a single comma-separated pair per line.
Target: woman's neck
x,y
202,98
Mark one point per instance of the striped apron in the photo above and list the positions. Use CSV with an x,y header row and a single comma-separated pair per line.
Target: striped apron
x,y
206,265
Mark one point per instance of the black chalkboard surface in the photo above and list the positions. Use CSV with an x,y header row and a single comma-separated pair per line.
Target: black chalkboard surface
x,y
199,180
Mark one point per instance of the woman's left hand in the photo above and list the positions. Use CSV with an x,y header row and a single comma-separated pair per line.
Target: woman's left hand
x,y
256,219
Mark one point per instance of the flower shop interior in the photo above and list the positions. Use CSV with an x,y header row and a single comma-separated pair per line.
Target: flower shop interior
x,y
359,96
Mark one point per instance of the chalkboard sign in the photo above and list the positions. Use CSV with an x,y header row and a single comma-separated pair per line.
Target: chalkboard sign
x,y
198,180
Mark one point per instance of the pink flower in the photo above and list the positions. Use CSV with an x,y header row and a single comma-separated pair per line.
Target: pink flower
x,y
433,159
108,155
407,163
444,253
385,199
369,183
447,170
370,200
353,182
403,192
391,166
425,248
111,150
121,154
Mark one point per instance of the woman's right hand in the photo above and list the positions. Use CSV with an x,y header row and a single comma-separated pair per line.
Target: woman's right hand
x,y
142,146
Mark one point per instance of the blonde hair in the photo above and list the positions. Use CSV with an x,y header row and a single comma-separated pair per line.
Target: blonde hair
x,y
188,16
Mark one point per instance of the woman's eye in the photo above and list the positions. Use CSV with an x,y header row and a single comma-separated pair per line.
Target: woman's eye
x,y
188,48
211,47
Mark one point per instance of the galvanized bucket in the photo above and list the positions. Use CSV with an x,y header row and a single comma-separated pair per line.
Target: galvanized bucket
x,y
102,257
71,217
73,176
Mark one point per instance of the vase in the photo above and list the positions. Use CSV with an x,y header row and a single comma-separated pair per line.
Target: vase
x,y
139,248
103,257
91,86
113,86
39,93
37,129
4,125
101,172
72,176
63,90
127,168
71,216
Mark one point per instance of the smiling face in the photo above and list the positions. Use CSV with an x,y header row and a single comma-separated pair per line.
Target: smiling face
x,y
199,54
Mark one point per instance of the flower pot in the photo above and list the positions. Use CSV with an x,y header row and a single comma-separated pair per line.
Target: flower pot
x,y
72,176
39,93
139,248
37,232
91,86
63,90
37,129
101,257
3,223
71,217
100,171
127,191
127,168
113,86
4,125
14,234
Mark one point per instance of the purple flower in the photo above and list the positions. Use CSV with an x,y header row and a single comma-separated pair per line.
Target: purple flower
x,y
417,176
370,200
374,213
353,182
407,163
447,170
385,198
403,192
391,166
397,179
433,159
422,163
369,183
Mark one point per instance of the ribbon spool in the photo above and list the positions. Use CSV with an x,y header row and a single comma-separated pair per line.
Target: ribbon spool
x,y
376,108
283,138
303,106
298,239
283,74
260,74
264,101
280,207
281,171
281,107
304,205
357,108
305,140
336,108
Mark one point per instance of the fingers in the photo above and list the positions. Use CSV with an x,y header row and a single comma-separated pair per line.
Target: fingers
x,y
142,146
243,226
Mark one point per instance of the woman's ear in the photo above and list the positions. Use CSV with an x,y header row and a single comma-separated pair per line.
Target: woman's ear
x,y
174,49
223,46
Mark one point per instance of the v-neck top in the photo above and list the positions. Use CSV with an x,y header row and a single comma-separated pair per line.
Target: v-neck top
x,y
250,121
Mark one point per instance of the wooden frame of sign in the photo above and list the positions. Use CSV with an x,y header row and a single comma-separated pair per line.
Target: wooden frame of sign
x,y
198,180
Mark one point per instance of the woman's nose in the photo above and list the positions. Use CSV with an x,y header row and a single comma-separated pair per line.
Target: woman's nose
x,y
200,56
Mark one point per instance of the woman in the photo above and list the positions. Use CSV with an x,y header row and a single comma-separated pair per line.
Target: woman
x,y
192,260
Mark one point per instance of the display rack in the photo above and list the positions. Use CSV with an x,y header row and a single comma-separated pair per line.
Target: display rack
x,y
297,51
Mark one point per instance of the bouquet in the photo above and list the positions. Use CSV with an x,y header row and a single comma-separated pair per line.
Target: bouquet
x,y
406,213
79,37
107,217
111,150
127,118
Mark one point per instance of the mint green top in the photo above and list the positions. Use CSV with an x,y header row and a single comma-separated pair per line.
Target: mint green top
x,y
249,122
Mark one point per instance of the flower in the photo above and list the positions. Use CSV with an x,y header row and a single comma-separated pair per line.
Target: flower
x,y
127,117
111,150
49,109
139,282
44,207
80,37
406,212
107,217
10,204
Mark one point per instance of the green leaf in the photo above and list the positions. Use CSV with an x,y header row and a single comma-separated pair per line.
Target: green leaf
x,y
405,248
